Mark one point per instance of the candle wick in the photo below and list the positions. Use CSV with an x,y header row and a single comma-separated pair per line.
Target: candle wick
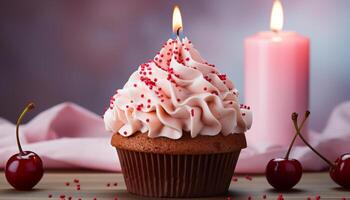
x,y
178,31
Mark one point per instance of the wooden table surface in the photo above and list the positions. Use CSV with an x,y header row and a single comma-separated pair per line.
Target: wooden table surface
x,y
95,185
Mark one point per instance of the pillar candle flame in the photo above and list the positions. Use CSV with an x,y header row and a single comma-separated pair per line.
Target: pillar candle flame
x,y
276,23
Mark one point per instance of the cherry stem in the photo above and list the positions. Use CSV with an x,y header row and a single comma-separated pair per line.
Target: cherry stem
x,y
295,122
307,113
29,107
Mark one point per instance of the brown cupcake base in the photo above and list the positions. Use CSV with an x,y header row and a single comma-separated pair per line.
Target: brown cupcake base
x,y
185,145
182,175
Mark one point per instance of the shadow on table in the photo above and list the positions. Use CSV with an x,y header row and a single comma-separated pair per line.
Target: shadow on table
x,y
124,195
23,192
291,191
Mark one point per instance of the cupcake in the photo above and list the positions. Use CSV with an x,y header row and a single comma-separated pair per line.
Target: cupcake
x,y
178,126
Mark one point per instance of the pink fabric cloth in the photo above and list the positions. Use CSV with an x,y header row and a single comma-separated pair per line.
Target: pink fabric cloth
x,y
69,136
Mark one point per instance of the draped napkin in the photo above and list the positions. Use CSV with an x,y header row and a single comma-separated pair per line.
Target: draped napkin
x,y
69,136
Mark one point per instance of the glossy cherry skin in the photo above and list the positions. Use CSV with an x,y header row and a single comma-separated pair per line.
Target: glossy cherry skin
x,y
24,171
283,174
340,172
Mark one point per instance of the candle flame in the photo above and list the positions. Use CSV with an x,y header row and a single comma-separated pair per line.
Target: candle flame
x,y
276,23
177,20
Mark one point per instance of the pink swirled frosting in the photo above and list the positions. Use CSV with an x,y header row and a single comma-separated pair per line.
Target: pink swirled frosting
x,y
177,93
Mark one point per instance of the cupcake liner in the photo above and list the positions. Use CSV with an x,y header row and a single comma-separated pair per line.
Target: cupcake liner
x,y
168,175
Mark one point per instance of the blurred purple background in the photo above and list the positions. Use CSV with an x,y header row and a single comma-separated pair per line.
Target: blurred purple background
x,y
81,51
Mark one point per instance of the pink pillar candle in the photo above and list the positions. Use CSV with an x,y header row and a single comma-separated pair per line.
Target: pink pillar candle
x,y
276,84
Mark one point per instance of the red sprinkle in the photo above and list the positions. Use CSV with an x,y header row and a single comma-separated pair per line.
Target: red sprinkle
x,y
222,77
62,196
205,88
248,178
235,179
115,184
264,196
187,59
147,120
76,180
192,112
280,197
67,183
49,195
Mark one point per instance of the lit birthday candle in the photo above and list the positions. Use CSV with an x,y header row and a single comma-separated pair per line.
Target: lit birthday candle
x,y
177,24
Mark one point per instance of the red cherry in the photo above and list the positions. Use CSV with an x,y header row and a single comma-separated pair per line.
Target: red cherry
x,y
340,171
24,169
283,174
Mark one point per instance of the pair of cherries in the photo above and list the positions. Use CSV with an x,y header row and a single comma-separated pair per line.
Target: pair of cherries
x,y
285,173
24,169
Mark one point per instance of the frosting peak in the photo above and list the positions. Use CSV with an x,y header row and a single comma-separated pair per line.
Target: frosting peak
x,y
177,92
